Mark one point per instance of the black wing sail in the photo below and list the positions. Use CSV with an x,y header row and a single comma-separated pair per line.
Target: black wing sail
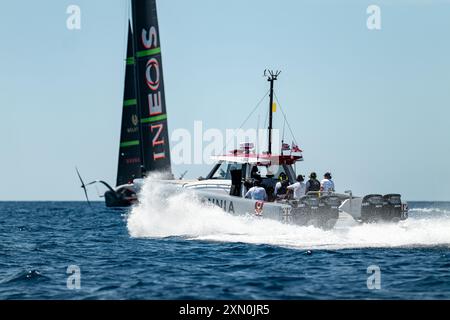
x,y
150,88
130,149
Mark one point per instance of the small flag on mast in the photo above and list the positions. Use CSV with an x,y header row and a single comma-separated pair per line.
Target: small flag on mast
x,y
285,147
274,107
295,148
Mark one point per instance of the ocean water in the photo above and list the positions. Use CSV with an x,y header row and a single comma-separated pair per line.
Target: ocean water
x,y
175,248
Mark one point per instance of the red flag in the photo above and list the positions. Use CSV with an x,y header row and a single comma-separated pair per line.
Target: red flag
x,y
295,148
285,147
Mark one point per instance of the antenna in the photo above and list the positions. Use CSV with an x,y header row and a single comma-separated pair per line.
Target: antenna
x,y
272,76
183,174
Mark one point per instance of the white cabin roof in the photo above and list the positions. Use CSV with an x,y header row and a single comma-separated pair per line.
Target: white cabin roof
x,y
241,159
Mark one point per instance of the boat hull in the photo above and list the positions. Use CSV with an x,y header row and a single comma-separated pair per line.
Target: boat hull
x,y
308,211
320,210
115,200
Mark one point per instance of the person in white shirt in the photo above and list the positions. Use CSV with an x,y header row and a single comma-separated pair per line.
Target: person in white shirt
x,y
256,192
327,185
298,188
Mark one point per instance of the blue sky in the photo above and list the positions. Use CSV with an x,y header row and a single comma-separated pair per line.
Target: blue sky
x,y
370,106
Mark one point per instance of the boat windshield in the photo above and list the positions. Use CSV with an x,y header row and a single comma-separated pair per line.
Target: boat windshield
x,y
223,170
271,172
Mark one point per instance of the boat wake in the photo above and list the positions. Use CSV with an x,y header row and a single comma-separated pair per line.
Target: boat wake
x,y
165,211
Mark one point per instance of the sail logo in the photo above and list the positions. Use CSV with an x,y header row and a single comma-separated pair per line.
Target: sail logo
x,y
154,99
133,161
153,84
134,120
158,140
149,38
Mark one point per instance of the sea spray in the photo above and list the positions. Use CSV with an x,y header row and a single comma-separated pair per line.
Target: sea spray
x,y
167,210
34,260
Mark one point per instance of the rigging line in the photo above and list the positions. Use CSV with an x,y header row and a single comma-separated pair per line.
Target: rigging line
x,y
257,135
245,121
266,120
266,124
284,124
254,109
285,118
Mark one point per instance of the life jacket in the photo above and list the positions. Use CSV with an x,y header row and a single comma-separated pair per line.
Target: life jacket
x,y
283,188
314,185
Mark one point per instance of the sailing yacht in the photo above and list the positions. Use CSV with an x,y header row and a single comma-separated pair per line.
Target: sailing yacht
x,y
144,148
144,138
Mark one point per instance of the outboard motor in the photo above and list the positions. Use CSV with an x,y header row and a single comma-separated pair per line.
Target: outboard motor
x,y
330,207
307,209
372,208
321,212
393,207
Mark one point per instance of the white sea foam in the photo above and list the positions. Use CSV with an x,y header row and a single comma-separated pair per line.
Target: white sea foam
x,y
430,210
165,211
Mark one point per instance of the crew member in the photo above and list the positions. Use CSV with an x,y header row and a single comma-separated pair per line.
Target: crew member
x,y
282,184
327,185
236,181
298,188
313,184
257,192
255,173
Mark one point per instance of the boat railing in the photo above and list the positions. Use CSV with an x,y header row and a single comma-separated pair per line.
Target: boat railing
x,y
207,186
328,193
319,193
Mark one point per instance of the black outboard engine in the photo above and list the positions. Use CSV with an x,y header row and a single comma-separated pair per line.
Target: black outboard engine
x,y
372,208
393,207
321,212
306,211
330,208
375,207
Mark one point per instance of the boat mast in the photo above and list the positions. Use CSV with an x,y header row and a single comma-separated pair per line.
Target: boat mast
x,y
154,134
271,77
136,86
